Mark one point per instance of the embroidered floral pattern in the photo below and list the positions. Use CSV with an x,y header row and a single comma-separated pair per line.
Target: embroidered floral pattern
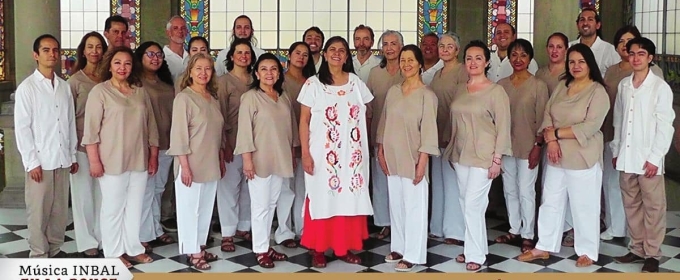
x,y
357,181
354,111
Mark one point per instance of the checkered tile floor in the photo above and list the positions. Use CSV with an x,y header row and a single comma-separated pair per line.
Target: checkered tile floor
x,y
440,257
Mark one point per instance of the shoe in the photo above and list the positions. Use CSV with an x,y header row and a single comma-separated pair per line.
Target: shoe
x,y
169,225
629,258
606,235
651,265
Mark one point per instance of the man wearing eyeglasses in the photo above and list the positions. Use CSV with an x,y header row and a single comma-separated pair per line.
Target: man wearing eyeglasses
x,y
176,30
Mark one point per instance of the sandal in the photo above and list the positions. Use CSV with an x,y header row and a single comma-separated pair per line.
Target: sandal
x,y
433,236
584,261
384,233
350,258
452,241
165,239
460,258
393,257
508,238
264,260
404,266
141,258
472,266
147,248
529,256
198,262
126,263
289,243
276,256
227,244
527,245
568,240
210,257
318,260
245,235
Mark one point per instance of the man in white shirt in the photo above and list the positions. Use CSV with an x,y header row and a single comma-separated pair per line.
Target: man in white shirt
x,y
116,31
643,130
500,63
175,54
364,61
243,28
430,49
588,24
44,120
314,37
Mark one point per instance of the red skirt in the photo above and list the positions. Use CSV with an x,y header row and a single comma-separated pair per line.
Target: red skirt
x,y
340,233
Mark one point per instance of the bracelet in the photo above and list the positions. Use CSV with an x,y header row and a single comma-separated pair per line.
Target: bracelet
x,y
497,161
556,136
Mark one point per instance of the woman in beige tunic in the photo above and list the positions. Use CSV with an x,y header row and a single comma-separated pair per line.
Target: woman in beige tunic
x,y
380,80
528,96
195,143
233,199
557,55
121,139
480,136
406,137
86,197
197,44
265,141
447,216
571,127
157,80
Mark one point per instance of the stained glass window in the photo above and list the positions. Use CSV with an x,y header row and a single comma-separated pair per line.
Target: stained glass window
x,y
3,73
500,11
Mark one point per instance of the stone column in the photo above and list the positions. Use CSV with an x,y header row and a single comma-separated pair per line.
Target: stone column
x,y
553,16
12,196
33,18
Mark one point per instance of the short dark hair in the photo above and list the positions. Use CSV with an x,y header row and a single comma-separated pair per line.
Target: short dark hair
x,y
416,52
315,29
597,19
81,61
645,44
324,74
482,45
199,38
163,73
514,30
115,18
278,86
593,70
232,49
363,27
36,43
309,69
431,34
561,35
524,45
626,29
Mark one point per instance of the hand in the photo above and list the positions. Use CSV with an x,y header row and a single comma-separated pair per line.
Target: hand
x,y
74,168
249,169
96,170
614,162
294,163
36,174
495,168
554,152
650,169
308,164
223,168
229,155
420,173
549,134
153,166
534,157
383,164
187,177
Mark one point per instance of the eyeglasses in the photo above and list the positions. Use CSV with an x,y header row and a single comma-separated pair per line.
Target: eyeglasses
x,y
158,55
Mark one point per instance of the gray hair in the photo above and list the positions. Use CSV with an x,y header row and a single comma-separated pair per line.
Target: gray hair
x,y
169,24
453,36
400,38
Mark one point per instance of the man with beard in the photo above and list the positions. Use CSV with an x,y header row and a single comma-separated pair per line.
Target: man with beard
x,y
175,54
500,63
314,37
364,60
116,31
243,28
430,50
589,24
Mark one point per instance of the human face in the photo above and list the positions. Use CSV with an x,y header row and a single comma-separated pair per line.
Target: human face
x,y
336,55
639,58
475,61
362,40
313,39
391,46
178,31
299,57
504,36
242,56
268,72
621,45
201,72
429,48
448,50
121,66
198,46
93,50
578,67
408,64
116,34
519,59
242,28
587,24
48,53
152,59
557,51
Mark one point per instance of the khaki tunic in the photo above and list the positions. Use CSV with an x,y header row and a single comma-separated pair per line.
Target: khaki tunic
x,y
293,88
197,133
584,112
480,126
81,85
266,130
612,78
379,82
544,75
161,95
229,91
408,127
527,106
444,86
123,126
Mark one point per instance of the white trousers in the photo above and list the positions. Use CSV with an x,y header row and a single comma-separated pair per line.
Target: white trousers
x,y
151,208
298,183
86,201
447,216
194,211
519,187
121,212
408,213
233,199
286,212
583,187
615,216
264,194
381,204
474,184
566,226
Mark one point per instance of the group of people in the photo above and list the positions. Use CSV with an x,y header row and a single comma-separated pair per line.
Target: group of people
x,y
334,139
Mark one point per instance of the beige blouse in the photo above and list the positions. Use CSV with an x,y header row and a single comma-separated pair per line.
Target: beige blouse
x,y
444,86
123,126
480,126
292,88
161,95
612,78
81,85
527,106
584,112
266,129
544,75
197,133
379,82
408,127
229,91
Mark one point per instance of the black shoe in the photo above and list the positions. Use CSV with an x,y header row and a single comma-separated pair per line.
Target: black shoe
x,y
651,265
169,225
217,228
629,258
63,254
